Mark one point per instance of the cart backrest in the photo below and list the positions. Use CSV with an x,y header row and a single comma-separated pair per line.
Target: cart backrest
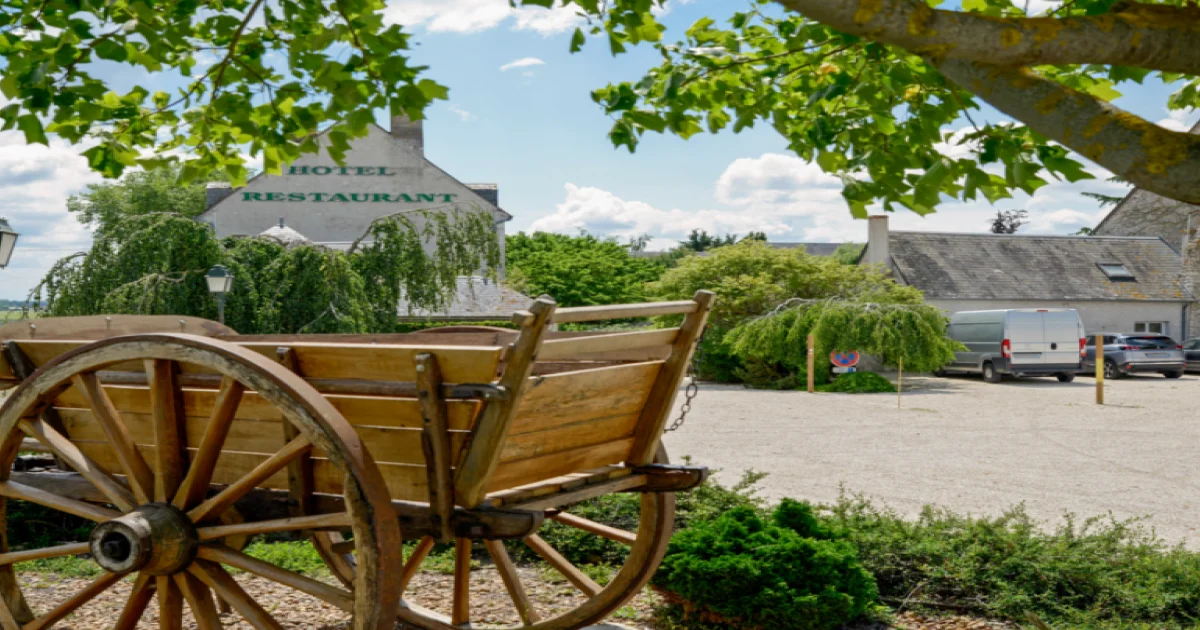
x,y
372,385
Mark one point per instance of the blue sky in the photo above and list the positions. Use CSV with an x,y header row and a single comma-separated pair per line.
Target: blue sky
x,y
520,115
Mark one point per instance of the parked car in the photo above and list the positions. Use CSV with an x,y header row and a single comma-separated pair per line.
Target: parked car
x,y
1021,342
1126,354
1191,353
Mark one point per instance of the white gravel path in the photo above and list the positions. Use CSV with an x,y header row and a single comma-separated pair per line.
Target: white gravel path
x,y
970,446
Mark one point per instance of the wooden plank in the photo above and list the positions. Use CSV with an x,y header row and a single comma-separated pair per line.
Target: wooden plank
x,y
435,443
405,482
483,455
328,360
94,327
553,349
582,493
300,476
568,437
378,411
556,484
622,311
513,474
560,399
388,445
666,386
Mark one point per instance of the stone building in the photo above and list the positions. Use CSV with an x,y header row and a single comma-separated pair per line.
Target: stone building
x,y
386,172
1117,283
1143,213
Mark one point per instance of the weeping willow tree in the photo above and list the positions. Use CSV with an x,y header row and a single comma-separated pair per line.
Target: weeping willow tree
x,y
155,265
774,347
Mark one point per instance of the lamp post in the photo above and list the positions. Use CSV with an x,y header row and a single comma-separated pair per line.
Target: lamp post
x,y
220,282
8,240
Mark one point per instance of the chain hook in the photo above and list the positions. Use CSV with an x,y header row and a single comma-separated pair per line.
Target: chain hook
x,y
693,386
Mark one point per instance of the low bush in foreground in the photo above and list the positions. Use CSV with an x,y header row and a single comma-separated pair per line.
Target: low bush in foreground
x,y
1094,573
859,383
787,571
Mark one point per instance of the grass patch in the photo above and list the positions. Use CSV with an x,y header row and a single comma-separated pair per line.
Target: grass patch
x,y
66,566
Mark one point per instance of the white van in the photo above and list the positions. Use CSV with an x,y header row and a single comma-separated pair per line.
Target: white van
x,y
1022,342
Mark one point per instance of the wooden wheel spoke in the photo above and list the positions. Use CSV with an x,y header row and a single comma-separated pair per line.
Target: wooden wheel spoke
x,y
338,519
7,620
599,529
414,561
238,560
460,611
141,479
562,565
216,578
90,470
14,490
71,549
89,593
135,606
512,581
170,605
200,600
236,490
195,485
166,408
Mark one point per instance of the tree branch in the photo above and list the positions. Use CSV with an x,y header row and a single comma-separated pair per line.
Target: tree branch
x,y
237,36
1155,37
1159,160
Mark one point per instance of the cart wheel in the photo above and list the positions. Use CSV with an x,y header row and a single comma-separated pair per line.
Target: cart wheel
x,y
443,604
160,521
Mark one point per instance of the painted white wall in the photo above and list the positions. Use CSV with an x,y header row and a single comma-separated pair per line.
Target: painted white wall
x,y
367,193
1098,316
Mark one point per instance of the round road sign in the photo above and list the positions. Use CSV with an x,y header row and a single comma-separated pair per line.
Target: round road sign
x,y
844,359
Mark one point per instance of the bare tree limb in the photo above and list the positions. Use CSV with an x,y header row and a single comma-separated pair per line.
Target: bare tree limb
x,y
1155,37
1157,159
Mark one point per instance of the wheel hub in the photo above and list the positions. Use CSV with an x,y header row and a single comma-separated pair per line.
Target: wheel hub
x,y
157,538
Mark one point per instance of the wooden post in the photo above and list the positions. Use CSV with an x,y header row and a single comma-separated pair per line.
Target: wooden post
x,y
435,444
812,364
1099,369
899,381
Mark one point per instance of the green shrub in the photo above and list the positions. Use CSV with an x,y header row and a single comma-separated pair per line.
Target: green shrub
x,y
1095,573
859,383
787,572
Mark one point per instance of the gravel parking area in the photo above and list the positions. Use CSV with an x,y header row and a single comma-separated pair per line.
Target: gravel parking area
x,y
964,444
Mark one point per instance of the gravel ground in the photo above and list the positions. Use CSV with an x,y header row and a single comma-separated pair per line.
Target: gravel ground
x,y
964,444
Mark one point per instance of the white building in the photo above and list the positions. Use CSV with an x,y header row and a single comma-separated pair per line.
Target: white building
x,y
1117,283
331,205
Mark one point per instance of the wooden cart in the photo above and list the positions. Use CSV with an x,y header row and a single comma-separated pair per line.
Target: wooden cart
x,y
182,445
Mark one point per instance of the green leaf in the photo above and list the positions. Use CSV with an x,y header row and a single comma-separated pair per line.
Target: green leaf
x,y
831,162
649,120
928,188
577,40
32,127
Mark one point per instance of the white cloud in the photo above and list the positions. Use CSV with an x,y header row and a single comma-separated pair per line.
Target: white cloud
x,y
471,16
601,212
462,114
1180,119
523,62
35,181
792,200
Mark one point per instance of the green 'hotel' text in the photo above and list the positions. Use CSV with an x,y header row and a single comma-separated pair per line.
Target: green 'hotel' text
x,y
351,197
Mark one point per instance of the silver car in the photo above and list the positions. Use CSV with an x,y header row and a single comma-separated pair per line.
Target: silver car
x,y
1126,354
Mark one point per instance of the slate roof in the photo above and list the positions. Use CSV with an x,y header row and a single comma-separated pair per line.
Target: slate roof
x,y
476,298
1018,267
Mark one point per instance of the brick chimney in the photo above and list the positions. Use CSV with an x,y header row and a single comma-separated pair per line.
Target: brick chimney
x,y
410,132
877,241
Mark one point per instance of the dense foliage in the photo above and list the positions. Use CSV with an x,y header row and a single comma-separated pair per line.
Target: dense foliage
x,y
577,270
1094,573
747,571
155,264
859,383
775,347
752,279
104,206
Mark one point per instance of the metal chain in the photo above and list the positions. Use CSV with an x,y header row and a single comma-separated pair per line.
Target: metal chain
x,y
693,386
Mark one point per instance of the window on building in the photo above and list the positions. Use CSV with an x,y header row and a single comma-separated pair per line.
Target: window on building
x,y
1116,271
1157,328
